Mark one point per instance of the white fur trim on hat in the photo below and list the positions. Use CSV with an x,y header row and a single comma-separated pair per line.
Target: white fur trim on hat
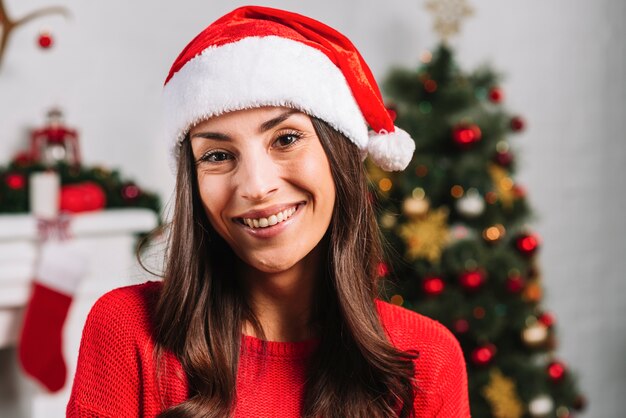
x,y
391,151
260,71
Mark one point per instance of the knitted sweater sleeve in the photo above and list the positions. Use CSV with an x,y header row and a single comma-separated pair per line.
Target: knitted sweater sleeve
x,y
107,381
440,370
452,378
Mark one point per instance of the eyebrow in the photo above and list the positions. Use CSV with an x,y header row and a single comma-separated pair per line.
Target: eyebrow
x,y
265,126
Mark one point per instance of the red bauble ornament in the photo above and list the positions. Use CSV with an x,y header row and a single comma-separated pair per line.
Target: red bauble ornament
x,y
547,319
519,191
483,355
433,285
82,197
472,280
15,181
23,158
45,40
496,95
580,403
515,284
466,135
130,192
461,326
527,244
556,371
503,158
517,124
382,269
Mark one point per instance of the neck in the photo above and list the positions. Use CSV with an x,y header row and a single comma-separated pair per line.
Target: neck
x,y
282,301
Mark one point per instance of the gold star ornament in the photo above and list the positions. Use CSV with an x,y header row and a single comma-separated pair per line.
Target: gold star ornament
x,y
448,16
427,236
501,394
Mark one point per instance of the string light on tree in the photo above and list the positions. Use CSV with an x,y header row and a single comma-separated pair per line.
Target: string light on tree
x,y
417,204
388,220
494,233
532,292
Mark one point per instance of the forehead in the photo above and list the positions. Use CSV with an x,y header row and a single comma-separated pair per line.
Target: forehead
x,y
251,119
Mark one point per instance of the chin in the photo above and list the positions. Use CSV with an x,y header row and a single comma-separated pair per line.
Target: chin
x,y
270,266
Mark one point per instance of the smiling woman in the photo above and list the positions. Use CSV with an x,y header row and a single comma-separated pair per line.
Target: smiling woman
x,y
268,305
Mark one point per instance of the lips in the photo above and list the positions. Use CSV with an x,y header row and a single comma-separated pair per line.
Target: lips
x,y
266,212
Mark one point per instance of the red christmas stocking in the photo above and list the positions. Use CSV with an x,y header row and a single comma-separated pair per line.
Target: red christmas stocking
x,y
61,267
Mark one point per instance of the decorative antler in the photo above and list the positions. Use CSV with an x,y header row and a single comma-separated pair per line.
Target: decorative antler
x,y
7,24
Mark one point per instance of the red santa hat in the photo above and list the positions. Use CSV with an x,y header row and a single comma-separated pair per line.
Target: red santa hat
x,y
259,56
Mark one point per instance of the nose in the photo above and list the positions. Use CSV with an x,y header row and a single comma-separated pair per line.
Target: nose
x,y
257,176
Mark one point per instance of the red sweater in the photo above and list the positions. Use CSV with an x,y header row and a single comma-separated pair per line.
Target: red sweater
x,y
115,371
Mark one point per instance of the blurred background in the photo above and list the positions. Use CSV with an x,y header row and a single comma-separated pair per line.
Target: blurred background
x,y
104,64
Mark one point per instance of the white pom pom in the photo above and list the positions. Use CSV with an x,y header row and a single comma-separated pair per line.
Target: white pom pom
x,y
391,151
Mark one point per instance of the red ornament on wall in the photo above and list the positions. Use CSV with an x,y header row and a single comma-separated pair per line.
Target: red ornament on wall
x,y
82,197
15,181
45,40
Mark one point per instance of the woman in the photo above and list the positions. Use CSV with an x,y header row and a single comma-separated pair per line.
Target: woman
x,y
268,304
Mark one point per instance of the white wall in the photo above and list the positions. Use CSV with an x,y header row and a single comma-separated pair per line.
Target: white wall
x,y
565,61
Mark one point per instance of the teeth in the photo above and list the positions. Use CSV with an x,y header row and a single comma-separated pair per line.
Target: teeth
x,y
270,221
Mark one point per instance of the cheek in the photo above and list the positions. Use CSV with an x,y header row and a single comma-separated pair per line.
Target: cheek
x,y
214,196
315,176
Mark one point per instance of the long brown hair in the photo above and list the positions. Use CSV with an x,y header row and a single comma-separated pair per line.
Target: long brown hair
x,y
355,371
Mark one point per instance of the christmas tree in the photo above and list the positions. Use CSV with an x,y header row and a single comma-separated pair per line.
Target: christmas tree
x,y
461,249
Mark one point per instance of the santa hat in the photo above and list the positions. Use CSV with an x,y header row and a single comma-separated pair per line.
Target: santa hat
x,y
258,56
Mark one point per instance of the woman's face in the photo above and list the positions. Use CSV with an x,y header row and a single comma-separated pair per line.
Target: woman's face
x,y
265,184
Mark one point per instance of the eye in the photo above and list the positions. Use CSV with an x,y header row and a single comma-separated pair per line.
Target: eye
x,y
288,138
215,157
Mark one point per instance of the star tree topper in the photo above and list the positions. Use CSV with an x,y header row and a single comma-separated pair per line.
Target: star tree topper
x,y
448,16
